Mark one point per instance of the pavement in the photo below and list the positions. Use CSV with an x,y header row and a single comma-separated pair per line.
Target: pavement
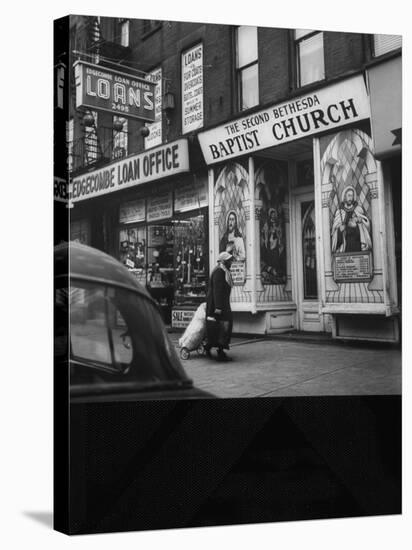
x,y
283,367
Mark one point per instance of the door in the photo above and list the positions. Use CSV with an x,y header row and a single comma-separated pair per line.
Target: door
x,y
309,318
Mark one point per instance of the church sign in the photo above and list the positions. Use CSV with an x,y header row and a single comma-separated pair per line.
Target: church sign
x,y
319,111
103,89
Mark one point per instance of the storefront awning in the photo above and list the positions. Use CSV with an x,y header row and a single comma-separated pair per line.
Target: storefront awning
x,y
320,110
153,164
385,83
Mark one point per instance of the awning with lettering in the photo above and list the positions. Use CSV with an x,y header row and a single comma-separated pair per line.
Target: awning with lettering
x,y
321,110
159,162
385,83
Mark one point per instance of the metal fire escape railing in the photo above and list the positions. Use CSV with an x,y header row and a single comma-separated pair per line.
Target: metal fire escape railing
x,y
96,148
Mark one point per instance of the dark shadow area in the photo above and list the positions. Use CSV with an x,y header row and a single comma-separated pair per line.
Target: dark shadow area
x,y
45,518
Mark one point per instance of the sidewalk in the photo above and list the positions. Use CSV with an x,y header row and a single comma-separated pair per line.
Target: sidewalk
x,y
270,368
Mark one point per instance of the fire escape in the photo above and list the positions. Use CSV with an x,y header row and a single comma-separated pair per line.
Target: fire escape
x,y
99,145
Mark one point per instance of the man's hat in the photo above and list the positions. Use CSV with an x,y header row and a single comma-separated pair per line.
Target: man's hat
x,y
224,257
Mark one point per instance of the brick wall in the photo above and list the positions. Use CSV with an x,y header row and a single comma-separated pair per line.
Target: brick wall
x,y
344,52
274,57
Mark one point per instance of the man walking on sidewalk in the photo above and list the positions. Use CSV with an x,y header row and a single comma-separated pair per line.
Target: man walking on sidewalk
x,y
219,320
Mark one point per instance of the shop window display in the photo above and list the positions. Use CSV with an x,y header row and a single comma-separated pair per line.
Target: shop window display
x,y
160,266
133,251
190,257
170,259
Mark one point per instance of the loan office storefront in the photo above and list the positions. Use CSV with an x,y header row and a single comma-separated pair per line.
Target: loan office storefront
x,y
296,194
150,212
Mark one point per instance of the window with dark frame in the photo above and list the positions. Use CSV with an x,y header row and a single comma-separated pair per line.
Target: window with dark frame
x,y
310,59
124,32
247,67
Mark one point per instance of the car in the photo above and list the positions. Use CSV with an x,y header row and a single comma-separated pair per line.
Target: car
x,y
109,332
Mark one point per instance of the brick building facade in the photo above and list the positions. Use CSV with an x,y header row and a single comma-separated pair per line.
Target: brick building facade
x,y
306,170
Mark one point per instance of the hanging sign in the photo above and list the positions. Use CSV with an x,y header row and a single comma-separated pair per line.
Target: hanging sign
x,y
60,189
192,89
104,89
167,160
191,196
319,111
159,207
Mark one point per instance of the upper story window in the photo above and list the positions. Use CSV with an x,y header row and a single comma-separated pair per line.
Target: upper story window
x,y
310,59
247,67
384,43
124,27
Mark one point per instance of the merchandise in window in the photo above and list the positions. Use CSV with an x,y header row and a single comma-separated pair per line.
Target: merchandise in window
x,y
310,61
247,66
190,254
160,266
133,251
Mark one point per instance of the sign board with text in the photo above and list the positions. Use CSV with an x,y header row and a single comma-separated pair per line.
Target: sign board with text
x,y
192,89
132,211
159,207
104,89
155,128
181,317
323,110
167,160
191,196
238,271
353,267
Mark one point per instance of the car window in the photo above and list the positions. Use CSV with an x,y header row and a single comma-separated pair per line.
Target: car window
x,y
97,327
116,335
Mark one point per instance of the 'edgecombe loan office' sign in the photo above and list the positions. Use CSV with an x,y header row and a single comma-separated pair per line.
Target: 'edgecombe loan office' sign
x,y
154,164
119,93
325,109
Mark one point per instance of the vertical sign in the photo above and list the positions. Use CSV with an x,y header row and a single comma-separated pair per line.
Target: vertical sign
x,y
192,89
155,136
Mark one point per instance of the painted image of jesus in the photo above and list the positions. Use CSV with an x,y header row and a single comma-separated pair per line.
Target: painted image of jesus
x,y
232,239
351,226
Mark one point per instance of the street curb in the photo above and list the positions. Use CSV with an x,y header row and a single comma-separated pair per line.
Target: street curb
x,y
304,338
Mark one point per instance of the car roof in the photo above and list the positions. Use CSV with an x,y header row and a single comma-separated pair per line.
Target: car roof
x,y
89,264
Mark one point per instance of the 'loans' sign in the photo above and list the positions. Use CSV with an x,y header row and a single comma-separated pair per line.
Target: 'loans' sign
x,y
103,89
154,164
326,109
192,89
